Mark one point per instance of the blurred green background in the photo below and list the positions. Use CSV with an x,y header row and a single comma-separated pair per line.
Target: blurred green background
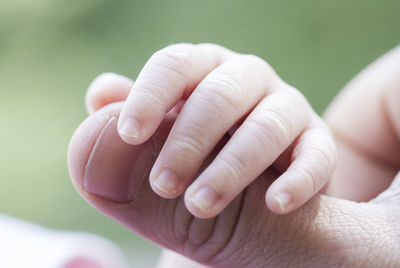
x,y
50,50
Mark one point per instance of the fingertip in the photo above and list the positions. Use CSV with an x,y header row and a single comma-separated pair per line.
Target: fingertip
x,y
105,89
280,202
133,132
203,203
129,131
166,183
138,120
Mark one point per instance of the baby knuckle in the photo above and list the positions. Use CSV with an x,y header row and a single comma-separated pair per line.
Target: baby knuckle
x,y
311,180
317,169
257,61
297,98
188,145
234,166
177,58
324,152
310,175
265,69
330,155
272,127
225,89
209,104
297,95
329,148
152,91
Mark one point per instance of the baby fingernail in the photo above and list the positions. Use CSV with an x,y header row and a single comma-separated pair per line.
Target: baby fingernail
x,y
130,129
205,198
167,182
283,200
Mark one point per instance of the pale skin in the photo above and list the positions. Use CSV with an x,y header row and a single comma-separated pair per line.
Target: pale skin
x,y
328,224
225,91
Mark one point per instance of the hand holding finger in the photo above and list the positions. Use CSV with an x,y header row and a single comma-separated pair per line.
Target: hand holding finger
x,y
166,78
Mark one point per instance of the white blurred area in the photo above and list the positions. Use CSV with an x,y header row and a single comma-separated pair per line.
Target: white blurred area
x,y
24,244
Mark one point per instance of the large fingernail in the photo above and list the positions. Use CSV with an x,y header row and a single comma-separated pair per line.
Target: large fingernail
x,y
115,169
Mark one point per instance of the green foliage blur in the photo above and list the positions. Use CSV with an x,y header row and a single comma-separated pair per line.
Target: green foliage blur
x,y
50,50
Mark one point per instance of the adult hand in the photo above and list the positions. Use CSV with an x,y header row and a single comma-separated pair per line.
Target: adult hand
x,y
327,232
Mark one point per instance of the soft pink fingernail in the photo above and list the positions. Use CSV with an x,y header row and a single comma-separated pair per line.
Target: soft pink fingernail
x,y
130,129
204,199
283,199
167,182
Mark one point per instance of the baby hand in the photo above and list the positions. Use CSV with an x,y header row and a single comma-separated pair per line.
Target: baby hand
x,y
270,122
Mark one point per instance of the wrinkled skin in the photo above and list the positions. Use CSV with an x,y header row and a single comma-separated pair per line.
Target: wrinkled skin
x,y
326,232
